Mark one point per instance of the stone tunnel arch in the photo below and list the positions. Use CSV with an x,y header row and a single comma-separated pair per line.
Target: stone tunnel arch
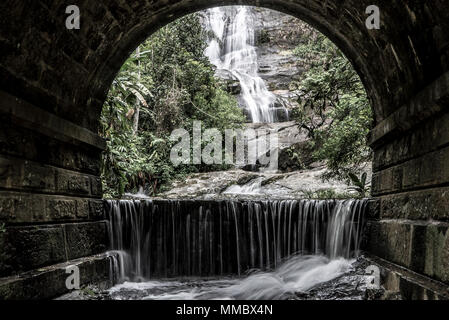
x,y
53,82
105,74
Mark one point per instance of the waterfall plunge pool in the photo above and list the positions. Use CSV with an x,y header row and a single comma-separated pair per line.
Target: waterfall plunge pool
x,y
301,278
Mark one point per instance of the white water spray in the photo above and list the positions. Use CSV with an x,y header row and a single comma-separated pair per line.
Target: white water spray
x,y
298,274
251,188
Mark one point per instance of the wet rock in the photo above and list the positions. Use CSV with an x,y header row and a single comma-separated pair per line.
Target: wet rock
x,y
350,286
294,185
281,114
234,87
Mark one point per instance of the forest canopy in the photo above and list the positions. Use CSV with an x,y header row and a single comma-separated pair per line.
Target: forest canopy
x,y
333,107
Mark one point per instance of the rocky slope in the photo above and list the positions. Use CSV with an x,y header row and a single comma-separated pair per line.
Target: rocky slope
x,y
277,36
302,184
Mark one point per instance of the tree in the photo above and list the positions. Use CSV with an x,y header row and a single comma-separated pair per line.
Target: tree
x,y
333,107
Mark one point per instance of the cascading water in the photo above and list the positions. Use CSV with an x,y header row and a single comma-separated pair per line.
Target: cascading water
x,y
252,188
174,239
232,50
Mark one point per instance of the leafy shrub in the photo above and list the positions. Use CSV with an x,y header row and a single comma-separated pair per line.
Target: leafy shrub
x,y
360,185
333,107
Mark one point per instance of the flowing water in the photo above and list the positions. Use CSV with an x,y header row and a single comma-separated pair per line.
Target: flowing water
x,y
298,274
230,249
139,195
232,49
251,188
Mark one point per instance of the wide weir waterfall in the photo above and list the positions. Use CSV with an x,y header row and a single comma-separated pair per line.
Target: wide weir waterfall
x,y
232,49
306,241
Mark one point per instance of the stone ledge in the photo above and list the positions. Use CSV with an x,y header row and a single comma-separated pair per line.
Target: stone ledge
x,y
421,246
417,205
424,105
426,138
408,284
27,248
427,171
34,118
19,174
49,282
27,208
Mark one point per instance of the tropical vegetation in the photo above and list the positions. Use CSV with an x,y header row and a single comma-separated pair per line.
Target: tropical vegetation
x,y
167,83
333,107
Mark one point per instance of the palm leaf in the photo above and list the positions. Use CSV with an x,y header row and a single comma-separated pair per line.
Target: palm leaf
x,y
139,96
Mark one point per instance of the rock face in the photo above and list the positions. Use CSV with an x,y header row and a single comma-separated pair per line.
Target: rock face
x,y
290,138
277,36
404,71
296,176
241,184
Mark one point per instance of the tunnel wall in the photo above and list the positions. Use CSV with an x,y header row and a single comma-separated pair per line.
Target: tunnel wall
x,y
53,82
50,193
50,201
410,181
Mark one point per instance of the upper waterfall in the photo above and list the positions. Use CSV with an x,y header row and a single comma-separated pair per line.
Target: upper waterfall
x,y
232,49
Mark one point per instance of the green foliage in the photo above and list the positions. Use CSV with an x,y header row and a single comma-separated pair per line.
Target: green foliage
x,y
166,84
293,154
324,194
333,107
360,185
263,37
296,156
134,160
2,227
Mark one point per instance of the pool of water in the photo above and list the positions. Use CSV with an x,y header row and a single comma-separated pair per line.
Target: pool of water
x,y
301,278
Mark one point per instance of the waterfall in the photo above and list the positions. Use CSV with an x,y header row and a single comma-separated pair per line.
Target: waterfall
x,y
232,50
252,188
176,238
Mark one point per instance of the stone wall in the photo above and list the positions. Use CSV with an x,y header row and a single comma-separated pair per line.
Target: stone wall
x,y
411,175
50,202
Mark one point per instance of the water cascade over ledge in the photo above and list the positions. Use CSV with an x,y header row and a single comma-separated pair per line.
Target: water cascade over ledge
x,y
192,238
